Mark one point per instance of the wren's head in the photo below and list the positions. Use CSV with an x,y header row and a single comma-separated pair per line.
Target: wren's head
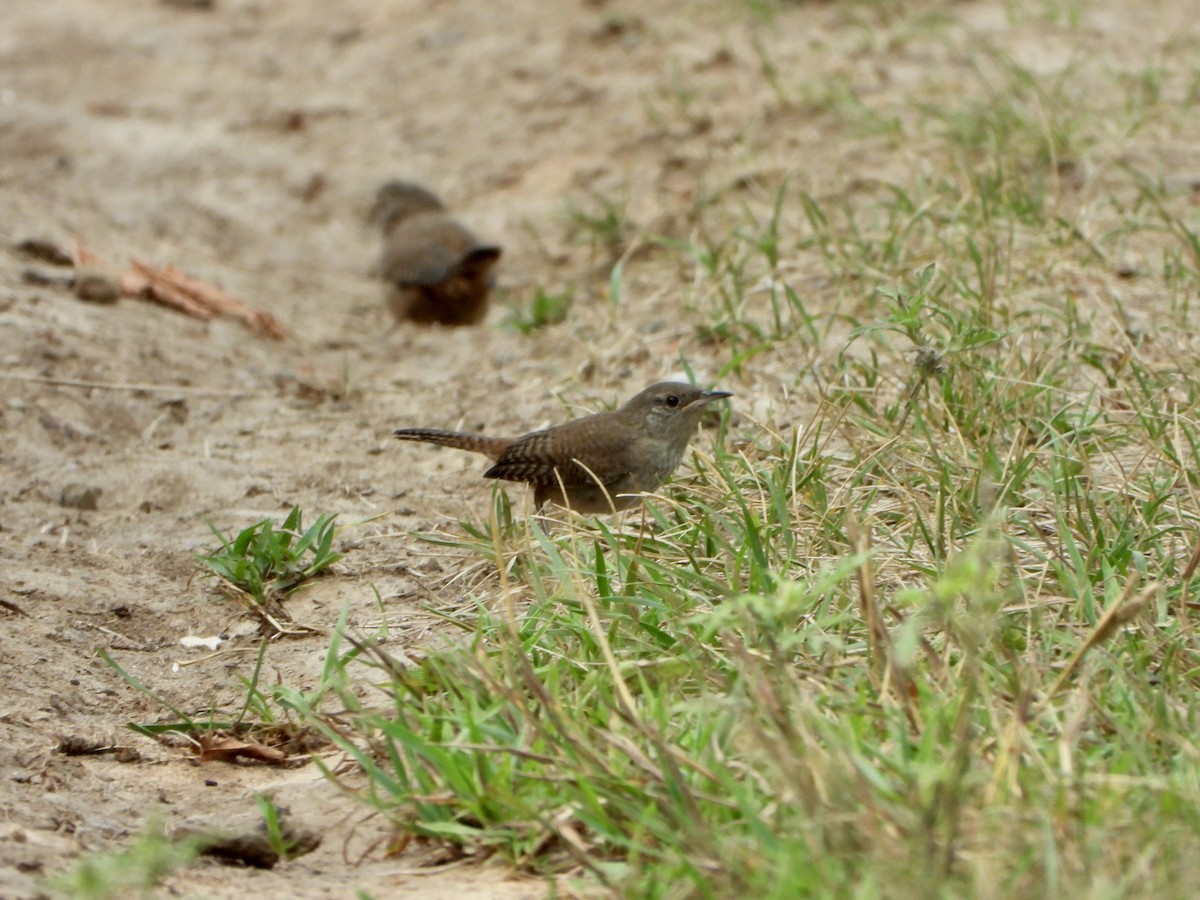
x,y
396,201
672,408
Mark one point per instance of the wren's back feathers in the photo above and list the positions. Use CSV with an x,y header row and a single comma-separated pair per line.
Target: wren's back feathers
x,y
598,463
435,269
426,249
396,201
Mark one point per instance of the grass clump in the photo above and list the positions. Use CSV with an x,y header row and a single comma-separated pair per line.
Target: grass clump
x,y
134,871
266,561
544,308
827,734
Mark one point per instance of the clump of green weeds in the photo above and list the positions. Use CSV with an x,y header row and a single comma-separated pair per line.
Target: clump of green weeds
x,y
603,223
545,308
134,871
640,722
265,560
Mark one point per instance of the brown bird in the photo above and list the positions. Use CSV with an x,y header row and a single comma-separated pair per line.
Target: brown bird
x,y
435,269
594,464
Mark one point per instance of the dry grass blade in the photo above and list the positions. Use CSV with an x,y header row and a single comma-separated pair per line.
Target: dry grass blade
x,y
1185,583
277,619
1123,610
884,668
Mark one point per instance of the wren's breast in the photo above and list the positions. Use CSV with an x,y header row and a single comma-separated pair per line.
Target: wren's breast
x,y
660,460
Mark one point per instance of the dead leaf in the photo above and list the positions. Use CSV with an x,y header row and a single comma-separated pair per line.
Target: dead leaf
x,y
230,749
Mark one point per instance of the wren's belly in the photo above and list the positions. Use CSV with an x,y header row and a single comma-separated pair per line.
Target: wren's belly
x,y
589,499
655,464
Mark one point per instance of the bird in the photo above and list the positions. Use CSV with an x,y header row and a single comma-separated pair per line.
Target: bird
x,y
600,463
435,270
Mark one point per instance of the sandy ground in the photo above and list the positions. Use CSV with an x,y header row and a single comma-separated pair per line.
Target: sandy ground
x,y
243,143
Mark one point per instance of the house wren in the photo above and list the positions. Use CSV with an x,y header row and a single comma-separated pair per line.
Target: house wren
x,y
594,464
435,269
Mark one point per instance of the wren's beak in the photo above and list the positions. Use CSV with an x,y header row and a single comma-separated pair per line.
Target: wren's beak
x,y
710,396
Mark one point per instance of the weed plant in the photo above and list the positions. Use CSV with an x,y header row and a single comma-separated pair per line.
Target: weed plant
x,y
266,561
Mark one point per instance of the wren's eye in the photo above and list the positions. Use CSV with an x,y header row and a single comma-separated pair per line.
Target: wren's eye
x,y
672,401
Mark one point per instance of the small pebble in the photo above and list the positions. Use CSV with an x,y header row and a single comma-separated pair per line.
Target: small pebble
x,y
80,496
96,287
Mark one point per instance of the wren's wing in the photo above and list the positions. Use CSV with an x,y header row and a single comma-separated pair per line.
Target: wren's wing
x,y
582,451
426,249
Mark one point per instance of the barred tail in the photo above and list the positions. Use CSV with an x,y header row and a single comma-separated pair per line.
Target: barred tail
x,y
476,443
